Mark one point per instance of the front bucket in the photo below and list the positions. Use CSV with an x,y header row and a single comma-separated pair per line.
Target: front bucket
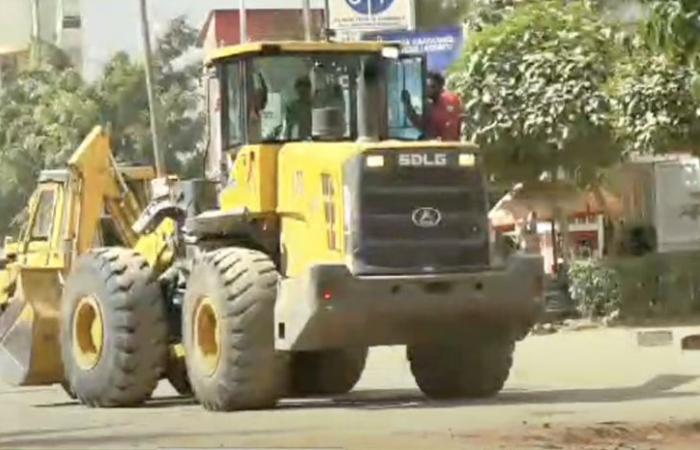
x,y
30,352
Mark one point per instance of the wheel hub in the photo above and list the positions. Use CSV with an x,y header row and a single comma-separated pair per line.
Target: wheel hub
x,y
206,335
88,333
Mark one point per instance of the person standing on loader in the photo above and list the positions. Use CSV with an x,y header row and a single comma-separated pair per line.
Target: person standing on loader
x,y
443,118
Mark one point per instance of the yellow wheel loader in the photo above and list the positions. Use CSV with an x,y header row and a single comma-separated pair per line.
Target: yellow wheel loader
x,y
323,225
91,204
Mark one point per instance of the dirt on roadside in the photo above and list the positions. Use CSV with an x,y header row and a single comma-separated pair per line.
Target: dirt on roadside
x,y
601,436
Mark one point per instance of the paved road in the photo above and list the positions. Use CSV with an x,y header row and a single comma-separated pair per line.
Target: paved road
x,y
595,389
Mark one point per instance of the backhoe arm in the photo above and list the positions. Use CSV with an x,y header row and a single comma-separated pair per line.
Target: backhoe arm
x,y
101,186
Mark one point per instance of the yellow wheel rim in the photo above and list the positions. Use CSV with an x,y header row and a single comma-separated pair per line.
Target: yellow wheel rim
x,y
88,333
206,335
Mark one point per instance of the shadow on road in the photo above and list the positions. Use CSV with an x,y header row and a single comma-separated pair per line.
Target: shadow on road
x,y
159,402
658,387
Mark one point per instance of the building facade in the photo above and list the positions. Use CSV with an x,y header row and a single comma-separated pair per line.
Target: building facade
x,y
57,22
222,27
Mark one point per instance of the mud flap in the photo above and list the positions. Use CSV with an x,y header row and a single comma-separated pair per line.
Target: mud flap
x,y
30,353
691,342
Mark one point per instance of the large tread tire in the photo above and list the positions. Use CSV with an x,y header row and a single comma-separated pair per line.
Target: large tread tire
x,y
135,333
327,372
240,285
68,391
475,367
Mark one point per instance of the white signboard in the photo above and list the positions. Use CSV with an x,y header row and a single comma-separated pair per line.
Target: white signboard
x,y
371,15
678,206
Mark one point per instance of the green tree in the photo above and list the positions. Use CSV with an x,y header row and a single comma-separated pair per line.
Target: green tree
x,y
121,92
653,109
438,13
534,91
47,109
486,13
44,113
673,28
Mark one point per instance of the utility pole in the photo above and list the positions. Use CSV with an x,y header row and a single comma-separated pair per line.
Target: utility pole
x,y
243,19
35,20
36,34
60,13
307,19
148,57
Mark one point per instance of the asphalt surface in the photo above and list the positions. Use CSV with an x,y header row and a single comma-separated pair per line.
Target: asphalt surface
x,y
594,389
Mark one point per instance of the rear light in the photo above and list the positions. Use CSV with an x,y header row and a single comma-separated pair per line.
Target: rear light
x,y
327,296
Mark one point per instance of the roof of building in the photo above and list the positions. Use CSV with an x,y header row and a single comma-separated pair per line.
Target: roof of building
x,y
11,50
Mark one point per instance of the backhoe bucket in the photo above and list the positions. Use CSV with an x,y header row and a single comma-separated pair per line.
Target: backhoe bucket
x,y
30,352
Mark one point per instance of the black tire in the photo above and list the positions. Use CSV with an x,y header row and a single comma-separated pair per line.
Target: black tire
x,y
328,372
134,350
176,373
231,362
474,367
68,391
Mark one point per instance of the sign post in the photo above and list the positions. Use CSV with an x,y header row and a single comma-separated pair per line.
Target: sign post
x,y
441,46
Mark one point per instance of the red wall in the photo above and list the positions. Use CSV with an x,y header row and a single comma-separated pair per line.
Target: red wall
x,y
264,25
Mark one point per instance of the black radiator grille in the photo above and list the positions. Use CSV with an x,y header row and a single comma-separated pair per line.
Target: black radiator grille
x,y
388,240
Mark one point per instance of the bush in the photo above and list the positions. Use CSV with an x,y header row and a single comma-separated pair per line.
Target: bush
x,y
595,288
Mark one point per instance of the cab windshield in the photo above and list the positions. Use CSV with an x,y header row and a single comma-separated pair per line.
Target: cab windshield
x,y
309,97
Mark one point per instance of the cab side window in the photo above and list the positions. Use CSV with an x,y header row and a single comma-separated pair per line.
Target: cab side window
x,y
233,74
405,75
43,219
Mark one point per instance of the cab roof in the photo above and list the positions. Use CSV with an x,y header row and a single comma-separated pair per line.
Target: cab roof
x,y
271,47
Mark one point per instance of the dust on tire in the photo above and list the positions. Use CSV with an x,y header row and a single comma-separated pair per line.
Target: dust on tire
x,y
242,287
135,331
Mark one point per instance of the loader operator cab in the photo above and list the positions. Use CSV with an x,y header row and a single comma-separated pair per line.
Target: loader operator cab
x,y
273,94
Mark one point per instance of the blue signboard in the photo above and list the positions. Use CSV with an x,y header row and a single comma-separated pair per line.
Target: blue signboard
x,y
441,46
367,6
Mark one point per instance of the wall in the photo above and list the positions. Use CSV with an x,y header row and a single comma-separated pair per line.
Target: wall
x,y
70,38
16,26
262,25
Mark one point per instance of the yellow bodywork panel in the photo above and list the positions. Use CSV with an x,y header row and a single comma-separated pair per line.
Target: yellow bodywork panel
x,y
259,48
311,204
65,214
92,163
302,183
253,180
156,246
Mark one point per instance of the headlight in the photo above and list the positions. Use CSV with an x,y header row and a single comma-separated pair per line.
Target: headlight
x,y
374,161
467,160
